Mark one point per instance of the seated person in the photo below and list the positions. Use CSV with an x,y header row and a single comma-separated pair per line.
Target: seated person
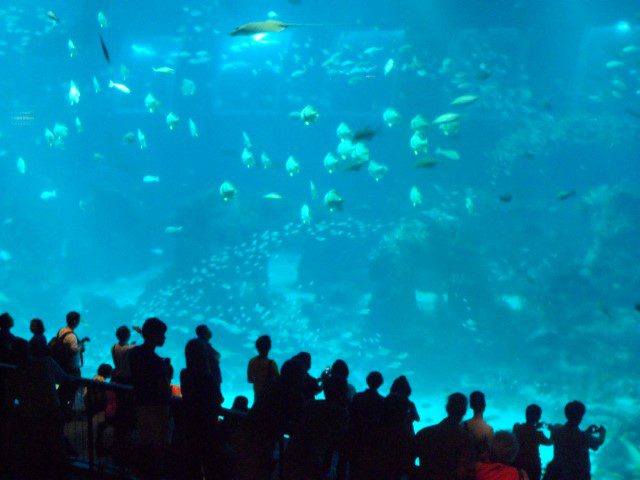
x,y
503,449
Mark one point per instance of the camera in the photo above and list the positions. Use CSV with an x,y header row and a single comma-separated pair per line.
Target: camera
x,y
593,429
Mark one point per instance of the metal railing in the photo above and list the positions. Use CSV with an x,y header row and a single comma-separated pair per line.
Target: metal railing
x,y
99,440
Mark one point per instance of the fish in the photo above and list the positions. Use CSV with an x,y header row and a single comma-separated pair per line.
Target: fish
x,y
55,20
188,87
354,165
364,135
21,165
105,50
611,64
73,50
389,66
448,154
102,20
227,191
142,141
74,94
464,100
172,120
305,214
164,70
415,196
151,103
267,26
307,115
265,161
344,132
330,162
151,179
391,117
426,162
419,123
418,143
79,127
292,166
345,149
313,190
96,85
247,158
173,229
129,138
447,118
377,170
247,140
193,128
505,197
333,201
565,194
119,86
49,195
272,196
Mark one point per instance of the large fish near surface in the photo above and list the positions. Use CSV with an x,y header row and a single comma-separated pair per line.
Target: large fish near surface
x,y
267,26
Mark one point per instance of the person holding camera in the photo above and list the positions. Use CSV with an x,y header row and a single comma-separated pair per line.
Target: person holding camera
x,y
530,436
571,446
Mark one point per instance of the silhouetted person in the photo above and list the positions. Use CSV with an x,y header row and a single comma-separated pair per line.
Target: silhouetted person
x,y
7,339
401,386
261,369
203,333
119,354
530,437
339,369
201,405
310,385
38,342
234,418
152,396
571,446
365,413
390,454
476,426
446,450
503,448
67,350
275,412
322,430
40,434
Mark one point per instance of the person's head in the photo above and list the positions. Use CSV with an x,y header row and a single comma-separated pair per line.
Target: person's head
x,y
123,334
503,447
240,404
574,411
477,402
263,345
456,406
196,356
375,380
6,321
36,326
154,331
304,358
203,333
105,370
401,386
340,368
73,319
533,413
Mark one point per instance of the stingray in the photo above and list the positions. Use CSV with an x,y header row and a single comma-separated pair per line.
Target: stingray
x,y
267,26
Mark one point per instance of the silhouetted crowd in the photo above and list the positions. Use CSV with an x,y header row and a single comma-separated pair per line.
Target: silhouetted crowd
x,y
161,430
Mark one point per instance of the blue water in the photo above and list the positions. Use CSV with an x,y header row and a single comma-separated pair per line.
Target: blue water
x,y
531,300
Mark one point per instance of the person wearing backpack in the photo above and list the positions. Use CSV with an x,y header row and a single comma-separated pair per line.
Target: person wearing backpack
x,y
66,349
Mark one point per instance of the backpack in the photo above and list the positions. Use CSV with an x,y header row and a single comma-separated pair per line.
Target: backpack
x,y
60,352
